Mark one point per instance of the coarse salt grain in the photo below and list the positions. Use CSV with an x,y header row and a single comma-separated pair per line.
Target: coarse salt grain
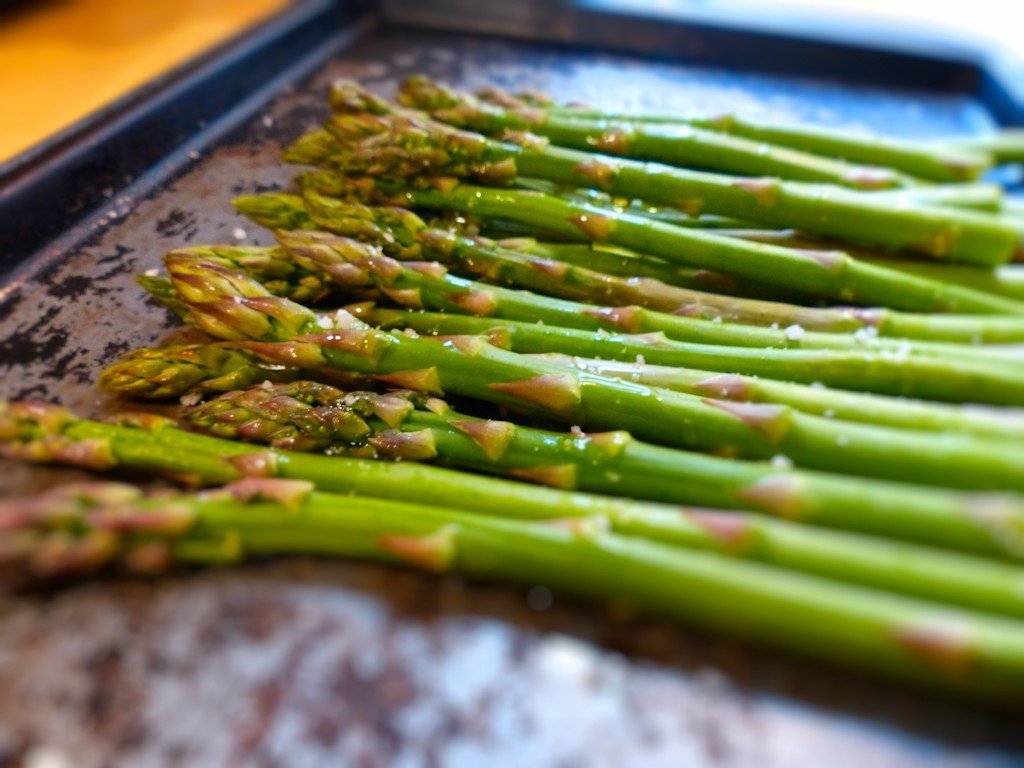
x,y
866,334
794,332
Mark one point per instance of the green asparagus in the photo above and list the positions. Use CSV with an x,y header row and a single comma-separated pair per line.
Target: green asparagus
x,y
574,282
83,527
400,146
844,361
681,145
44,433
232,306
830,274
936,163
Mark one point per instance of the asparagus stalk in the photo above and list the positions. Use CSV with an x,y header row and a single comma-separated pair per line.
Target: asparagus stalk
x,y
832,275
397,426
945,649
622,262
630,299
229,305
141,375
538,337
574,282
830,403
625,263
985,524
569,281
664,214
980,197
401,147
1007,280
885,370
680,145
635,358
1005,146
932,162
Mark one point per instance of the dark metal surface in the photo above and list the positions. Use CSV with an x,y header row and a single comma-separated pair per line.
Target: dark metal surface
x,y
310,663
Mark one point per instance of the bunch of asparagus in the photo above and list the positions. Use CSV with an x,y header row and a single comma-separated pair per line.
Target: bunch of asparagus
x,y
759,379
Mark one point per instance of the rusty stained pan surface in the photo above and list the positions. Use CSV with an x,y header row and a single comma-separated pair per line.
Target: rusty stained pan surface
x,y
308,663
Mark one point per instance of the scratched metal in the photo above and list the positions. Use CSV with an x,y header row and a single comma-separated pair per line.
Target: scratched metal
x,y
309,663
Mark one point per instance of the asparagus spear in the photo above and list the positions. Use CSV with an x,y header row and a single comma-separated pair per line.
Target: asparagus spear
x,y
925,643
831,275
230,305
402,427
985,524
575,282
889,370
400,146
933,162
1005,146
153,374
173,371
664,214
660,364
680,145
406,236
571,281
831,403
418,285
622,262
398,426
978,196
1007,280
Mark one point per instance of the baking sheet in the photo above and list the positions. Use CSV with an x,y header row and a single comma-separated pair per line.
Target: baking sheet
x,y
289,663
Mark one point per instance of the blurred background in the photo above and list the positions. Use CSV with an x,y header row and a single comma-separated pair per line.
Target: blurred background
x,y
61,60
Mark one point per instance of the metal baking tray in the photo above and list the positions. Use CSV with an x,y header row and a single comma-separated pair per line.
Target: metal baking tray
x,y
306,662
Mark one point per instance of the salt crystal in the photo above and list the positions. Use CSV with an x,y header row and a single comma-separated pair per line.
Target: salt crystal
x,y
781,462
866,334
794,332
239,234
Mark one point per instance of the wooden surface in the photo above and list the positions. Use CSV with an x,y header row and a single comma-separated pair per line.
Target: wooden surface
x,y
63,59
